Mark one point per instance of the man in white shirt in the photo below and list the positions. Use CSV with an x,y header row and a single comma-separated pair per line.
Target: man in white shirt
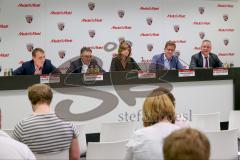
x,y
205,59
85,63
12,149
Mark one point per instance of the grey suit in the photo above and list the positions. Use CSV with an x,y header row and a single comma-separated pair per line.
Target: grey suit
x,y
197,61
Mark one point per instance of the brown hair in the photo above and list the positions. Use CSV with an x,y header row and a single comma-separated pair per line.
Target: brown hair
x,y
34,52
85,49
158,105
40,94
124,45
186,144
170,43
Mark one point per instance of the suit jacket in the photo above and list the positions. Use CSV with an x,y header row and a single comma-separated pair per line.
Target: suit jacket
x,y
76,66
197,61
28,68
116,65
158,63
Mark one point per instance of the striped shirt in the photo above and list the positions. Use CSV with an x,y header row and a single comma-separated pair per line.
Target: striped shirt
x,y
45,133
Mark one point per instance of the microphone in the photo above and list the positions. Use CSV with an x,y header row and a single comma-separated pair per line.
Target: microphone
x,y
177,54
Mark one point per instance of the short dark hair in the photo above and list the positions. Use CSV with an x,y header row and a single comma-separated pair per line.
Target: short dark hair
x,y
170,43
37,50
88,49
40,94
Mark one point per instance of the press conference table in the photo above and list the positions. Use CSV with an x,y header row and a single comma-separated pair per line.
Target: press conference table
x,y
124,78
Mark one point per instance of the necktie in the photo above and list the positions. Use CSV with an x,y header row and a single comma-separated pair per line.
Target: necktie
x,y
206,62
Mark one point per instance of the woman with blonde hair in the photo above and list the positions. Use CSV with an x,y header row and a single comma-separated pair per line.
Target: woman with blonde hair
x,y
123,61
158,120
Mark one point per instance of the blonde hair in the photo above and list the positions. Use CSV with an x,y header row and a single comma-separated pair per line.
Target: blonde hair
x,y
186,144
158,105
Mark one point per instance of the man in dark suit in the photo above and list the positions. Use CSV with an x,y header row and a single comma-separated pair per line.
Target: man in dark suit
x,y
37,66
166,60
205,59
85,64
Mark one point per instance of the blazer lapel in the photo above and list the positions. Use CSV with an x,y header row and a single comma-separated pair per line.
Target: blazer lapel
x,y
200,62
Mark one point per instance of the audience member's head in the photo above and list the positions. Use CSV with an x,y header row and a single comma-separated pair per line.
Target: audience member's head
x,y
40,94
187,144
158,106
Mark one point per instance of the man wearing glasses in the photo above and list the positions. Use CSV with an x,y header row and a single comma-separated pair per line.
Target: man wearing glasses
x,y
85,64
166,60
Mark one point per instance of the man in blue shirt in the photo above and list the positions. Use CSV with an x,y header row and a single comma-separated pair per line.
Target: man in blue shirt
x,y
166,60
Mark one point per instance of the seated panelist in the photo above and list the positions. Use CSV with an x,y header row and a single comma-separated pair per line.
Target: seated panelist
x,y
205,59
166,60
123,61
37,66
85,63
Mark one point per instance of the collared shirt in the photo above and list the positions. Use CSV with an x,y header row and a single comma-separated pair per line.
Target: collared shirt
x,y
167,62
204,61
84,68
38,70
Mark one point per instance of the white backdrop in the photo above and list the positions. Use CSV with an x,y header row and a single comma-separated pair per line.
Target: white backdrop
x,y
42,31
199,97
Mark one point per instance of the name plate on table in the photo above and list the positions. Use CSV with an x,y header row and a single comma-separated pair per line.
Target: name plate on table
x,y
93,77
220,72
145,75
186,73
49,79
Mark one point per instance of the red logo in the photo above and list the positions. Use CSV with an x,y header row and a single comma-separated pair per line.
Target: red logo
x,y
92,33
149,8
91,6
149,47
29,47
121,27
176,16
61,54
201,23
225,5
61,40
176,28
149,34
4,55
201,10
149,20
226,54
3,26
61,12
29,18
226,42
61,26
121,13
121,39
34,5
225,17
29,33
92,20
201,35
